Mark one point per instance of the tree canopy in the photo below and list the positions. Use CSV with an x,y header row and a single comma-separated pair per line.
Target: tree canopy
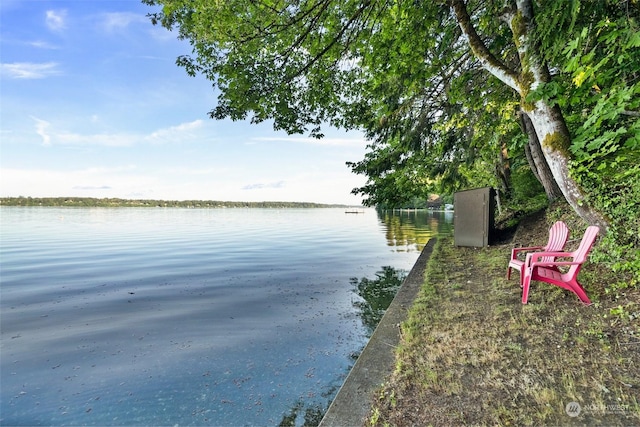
x,y
450,93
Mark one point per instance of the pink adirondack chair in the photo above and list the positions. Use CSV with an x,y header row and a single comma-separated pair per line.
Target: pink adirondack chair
x,y
558,235
538,267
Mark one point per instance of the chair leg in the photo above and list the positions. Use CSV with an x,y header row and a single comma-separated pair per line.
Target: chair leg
x,y
508,273
526,282
521,277
580,292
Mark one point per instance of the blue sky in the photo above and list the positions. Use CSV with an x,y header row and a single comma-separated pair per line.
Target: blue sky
x,y
93,105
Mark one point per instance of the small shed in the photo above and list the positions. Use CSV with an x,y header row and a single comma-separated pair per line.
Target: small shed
x,y
473,219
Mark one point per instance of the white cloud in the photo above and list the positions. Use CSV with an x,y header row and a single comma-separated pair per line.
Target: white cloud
x,y
56,19
42,127
91,187
131,181
173,134
29,70
103,139
119,20
40,44
161,34
91,182
260,185
198,172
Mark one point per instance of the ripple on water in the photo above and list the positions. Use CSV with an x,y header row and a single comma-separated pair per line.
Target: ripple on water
x,y
211,316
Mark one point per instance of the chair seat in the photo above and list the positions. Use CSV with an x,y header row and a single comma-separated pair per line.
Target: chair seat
x,y
517,264
549,273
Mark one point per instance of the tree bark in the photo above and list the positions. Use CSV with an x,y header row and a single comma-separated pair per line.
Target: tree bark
x,y
552,130
548,122
535,155
532,165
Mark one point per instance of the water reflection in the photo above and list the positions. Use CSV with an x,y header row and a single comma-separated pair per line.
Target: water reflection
x,y
409,230
301,413
376,295
191,317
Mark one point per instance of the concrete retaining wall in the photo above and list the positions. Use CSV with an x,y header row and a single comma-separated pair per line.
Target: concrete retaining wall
x,y
376,362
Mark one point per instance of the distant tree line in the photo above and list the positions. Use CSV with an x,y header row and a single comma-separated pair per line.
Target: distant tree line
x,y
114,202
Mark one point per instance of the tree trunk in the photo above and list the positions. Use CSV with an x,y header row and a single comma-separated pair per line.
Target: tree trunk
x,y
503,170
505,167
552,131
540,167
532,165
547,121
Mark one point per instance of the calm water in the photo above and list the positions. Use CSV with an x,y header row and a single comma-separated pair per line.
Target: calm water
x,y
190,316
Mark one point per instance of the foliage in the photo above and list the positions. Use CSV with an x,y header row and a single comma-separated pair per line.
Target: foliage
x,y
434,118
595,49
286,61
527,194
437,122
394,177
440,146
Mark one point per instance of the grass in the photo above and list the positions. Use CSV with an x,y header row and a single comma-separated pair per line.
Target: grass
x,y
472,354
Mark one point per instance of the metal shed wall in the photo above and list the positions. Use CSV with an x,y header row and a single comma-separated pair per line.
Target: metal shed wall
x,y
473,216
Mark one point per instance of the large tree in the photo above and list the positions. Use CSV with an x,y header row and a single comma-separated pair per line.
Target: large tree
x,y
387,67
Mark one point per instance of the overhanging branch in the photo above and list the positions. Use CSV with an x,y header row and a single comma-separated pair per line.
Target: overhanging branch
x,y
488,61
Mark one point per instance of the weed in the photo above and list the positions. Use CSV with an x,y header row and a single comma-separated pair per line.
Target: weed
x,y
374,417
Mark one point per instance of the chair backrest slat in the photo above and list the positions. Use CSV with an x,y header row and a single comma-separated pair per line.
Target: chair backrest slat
x,y
580,254
558,235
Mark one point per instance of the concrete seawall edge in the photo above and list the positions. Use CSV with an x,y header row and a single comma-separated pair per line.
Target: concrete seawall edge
x,y
352,404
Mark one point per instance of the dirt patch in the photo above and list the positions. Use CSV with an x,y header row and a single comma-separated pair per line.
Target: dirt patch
x,y
472,354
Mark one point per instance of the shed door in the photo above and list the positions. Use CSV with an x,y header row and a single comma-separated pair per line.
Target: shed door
x,y
471,217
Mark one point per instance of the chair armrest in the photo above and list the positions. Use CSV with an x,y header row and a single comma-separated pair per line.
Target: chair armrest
x,y
534,257
514,251
553,263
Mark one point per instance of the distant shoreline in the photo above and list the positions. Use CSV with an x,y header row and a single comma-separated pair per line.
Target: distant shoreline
x,y
143,203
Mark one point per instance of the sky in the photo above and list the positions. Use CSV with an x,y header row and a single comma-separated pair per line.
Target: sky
x,y
92,104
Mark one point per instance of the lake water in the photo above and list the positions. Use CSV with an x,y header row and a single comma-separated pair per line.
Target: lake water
x,y
163,316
